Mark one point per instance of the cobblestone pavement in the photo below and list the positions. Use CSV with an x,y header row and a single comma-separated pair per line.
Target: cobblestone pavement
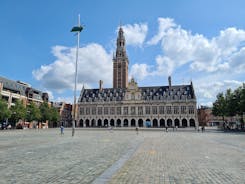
x,y
102,156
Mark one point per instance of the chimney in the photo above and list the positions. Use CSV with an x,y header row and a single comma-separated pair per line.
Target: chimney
x,y
169,81
101,85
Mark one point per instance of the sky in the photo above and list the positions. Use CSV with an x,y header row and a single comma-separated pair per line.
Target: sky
x,y
202,41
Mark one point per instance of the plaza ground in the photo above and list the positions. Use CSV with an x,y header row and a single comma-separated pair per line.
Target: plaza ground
x,y
104,156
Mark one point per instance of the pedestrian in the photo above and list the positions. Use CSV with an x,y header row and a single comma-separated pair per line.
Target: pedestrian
x,y
61,130
137,130
110,128
202,128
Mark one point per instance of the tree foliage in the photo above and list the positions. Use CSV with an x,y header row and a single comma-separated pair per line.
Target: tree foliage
x,y
45,112
230,104
4,111
33,112
220,106
48,113
30,113
18,111
54,115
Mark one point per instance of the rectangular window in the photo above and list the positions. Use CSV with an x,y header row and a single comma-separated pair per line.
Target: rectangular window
x,y
105,110
87,110
93,110
112,110
99,110
161,110
183,109
125,110
176,109
82,111
191,110
119,110
154,109
147,110
169,110
132,109
140,110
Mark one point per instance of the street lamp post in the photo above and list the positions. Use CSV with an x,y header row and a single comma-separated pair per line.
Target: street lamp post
x,y
76,29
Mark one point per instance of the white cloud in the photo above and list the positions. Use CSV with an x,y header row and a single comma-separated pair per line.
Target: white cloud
x,y
139,71
229,40
164,24
165,66
135,34
94,64
180,47
202,54
69,100
207,88
216,63
236,61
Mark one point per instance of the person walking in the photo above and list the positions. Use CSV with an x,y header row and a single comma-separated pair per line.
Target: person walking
x,y
61,130
203,128
137,130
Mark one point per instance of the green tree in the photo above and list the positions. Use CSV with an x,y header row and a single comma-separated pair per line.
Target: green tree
x,y
232,100
220,106
4,111
240,94
55,116
45,112
233,103
33,112
18,111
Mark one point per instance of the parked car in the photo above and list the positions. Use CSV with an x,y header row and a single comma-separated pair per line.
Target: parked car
x,y
4,125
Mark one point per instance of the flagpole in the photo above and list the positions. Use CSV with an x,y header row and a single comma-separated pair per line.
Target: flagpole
x,y
77,29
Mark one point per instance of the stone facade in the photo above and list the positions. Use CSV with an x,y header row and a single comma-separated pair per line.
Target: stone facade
x,y
128,105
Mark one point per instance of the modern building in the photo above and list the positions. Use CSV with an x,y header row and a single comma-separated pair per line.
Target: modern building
x,y
128,105
65,111
206,118
17,90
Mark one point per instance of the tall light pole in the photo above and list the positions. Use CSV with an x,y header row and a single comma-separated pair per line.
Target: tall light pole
x,y
76,29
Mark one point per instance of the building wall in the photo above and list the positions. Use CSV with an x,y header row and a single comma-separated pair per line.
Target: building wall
x,y
15,90
206,117
65,111
89,114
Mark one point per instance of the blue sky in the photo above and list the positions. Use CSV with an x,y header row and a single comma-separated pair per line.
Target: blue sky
x,y
202,41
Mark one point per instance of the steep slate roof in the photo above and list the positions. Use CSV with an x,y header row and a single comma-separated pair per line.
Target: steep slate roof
x,y
179,92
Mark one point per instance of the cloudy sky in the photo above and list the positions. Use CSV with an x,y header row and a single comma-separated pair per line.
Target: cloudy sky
x,y
193,40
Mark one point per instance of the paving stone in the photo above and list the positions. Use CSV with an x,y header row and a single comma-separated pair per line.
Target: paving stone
x,y
43,156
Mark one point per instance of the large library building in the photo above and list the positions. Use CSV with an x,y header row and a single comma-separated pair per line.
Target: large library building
x,y
128,105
